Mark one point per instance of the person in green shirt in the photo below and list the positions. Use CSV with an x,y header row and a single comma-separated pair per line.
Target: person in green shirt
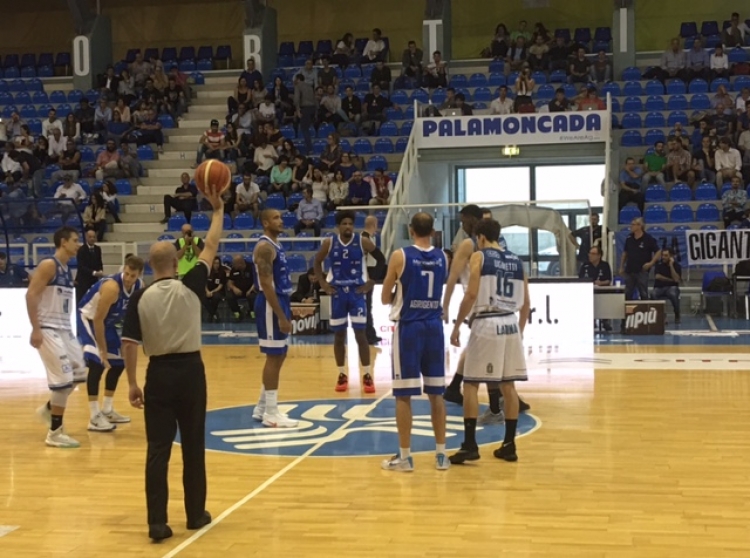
x,y
281,177
654,164
188,247
522,31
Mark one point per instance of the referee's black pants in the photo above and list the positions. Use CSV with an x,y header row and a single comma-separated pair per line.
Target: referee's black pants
x,y
175,395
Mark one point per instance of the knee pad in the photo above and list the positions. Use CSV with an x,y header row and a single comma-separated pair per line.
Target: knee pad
x,y
95,375
110,382
59,397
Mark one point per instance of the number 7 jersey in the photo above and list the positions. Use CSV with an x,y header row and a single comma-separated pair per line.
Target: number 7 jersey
x,y
419,289
500,282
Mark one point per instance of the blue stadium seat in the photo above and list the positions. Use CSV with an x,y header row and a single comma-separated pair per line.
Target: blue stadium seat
x,y
632,104
631,74
656,229
186,53
146,153
388,129
400,97
35,126
718,82
293,201
289,219
656,214
603,34
17,85
612,87
223,53
75,96
558,76
124,187
709,28
205,53
546,92
200,221
631,138
176,222
698,86
709,228
682,228
654,87
700,101
419,95
677,116
305,48
631,120
707,212
187,66
653,136
275,201
655,102
233,247
459,80
656,193
62,59
12,73
63,110
496,80
296,262
409,113
676,87
655,120
539,78
318,146
376,162
406,128
57,97
306,246
740,82
582,35
712,41
681,213
564,33
401,144
677,102
688,29
243,221
627,214
483,94
705,192
166,121
384,145
394,114
362,146
286,48
288,131
87,154
680,193
477,80
497,66
204,65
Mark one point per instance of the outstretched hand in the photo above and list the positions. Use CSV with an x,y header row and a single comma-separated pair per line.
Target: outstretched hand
x,y
213,195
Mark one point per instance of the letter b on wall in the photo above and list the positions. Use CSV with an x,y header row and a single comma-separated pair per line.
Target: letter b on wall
x,y
253,49
81,56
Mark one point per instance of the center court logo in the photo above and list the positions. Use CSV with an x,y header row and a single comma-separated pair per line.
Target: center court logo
x,y
341,428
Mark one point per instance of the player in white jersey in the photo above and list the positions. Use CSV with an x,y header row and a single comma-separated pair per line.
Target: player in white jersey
x,y
50,301
497,289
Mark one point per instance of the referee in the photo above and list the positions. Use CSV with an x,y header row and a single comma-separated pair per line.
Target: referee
x,y
166,319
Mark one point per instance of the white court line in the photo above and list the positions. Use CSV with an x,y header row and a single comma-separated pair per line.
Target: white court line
x,y
711,323
229,511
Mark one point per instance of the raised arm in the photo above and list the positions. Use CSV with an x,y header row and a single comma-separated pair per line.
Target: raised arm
x,y
211,243
44,273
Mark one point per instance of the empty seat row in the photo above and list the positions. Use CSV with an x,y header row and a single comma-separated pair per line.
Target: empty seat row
x,y
680,213
681,192
708,28
171,54
30,60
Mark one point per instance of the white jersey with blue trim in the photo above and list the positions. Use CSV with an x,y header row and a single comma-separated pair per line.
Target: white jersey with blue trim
x,y
116,314
58,299
348,264
501,282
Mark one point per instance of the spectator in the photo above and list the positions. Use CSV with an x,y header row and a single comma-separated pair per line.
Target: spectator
x,y
257,94
240,96
359,191
243,120
351,106
719,63
500,42
24,141
516,55
703,161
301,172
673,64
338,191
347,166
742,26
51,123
129,161
281,100
590,236
13,126
184,199
461,104
95,215
344,53
123,110
640,254
174,99
743,142
436,72
559,103
319,184
631,178
381,76
327,74
140,69
591,101
667,279
231,142
102,116
70,190
41,151
732,36
250,74
189,248
375,48
678,161
655,163
151,94
71,129
57,145
537,54
159,77
215,288
108,83
558,55
241,285
308,288
411,62
381,187
734,201
579,67
211,144
265,156
12,170
126,87
742,101
108,162
247,196
150,132
375,105
31,169
524,88
11,275
597,270
307,106
522,32
69,161
501,105
109,193
309,213
698,62
728,162
331,156
601,69
330,108
310,73
281,178
86,117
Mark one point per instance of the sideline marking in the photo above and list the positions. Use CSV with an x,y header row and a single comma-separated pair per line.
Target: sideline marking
x,y
233,508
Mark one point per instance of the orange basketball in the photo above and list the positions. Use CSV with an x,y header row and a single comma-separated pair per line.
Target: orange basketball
x,y
212,173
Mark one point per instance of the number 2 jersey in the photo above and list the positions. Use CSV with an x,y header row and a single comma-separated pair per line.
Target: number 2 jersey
x,y
419,288
500,282
58,299
348,264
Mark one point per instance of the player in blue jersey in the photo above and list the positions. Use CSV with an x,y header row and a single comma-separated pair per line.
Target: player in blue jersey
x,y
496,290
273,313
101,310
347,282
418,273
50,301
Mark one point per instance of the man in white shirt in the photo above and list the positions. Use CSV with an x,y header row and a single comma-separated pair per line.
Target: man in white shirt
x,y
51,123
728,162
70,190
741,25
57,143
265,156
330,108
247,196
743,101
243,120
375,48
719,63
12,170
502,105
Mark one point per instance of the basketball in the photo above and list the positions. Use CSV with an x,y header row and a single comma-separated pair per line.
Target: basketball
x,y
214,173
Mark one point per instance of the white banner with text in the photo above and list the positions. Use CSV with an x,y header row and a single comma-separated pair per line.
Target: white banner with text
x,y
717,247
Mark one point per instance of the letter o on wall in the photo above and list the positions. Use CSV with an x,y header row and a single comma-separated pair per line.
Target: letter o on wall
x,y
81,56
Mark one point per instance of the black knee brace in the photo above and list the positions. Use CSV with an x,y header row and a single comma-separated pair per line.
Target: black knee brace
x,y
110,383
95,375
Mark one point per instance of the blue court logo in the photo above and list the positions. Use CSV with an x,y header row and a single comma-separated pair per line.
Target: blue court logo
x,y
341,428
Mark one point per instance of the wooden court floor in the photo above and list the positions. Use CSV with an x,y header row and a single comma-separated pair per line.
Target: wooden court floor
x,y
624,463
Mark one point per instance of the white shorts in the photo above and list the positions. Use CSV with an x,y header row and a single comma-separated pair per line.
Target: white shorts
x,y
62,356
494,352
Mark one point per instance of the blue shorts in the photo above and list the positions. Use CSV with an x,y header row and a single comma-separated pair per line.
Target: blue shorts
x,y
347,302
270,338
88,342
418,355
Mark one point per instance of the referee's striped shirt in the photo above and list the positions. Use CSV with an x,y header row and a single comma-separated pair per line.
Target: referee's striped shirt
x,y
166,316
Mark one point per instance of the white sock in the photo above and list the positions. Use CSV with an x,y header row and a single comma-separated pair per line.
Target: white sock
x,y
272,397
405,452
107,405
342,370
440,448
366,370
262,398
94,408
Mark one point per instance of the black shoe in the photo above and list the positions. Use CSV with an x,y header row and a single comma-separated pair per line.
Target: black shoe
x,y
204,520
506,452
453,395
464,454
523,406
374,340
159,531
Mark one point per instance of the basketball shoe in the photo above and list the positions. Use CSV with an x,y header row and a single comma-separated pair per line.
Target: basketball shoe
x,y
395,463
278,420
368,383
59,439
342,384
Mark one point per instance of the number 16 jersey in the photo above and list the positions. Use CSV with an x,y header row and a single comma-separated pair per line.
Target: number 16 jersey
x,y
500,283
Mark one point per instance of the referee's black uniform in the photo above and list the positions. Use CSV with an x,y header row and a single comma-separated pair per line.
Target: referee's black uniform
x,y
165,318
